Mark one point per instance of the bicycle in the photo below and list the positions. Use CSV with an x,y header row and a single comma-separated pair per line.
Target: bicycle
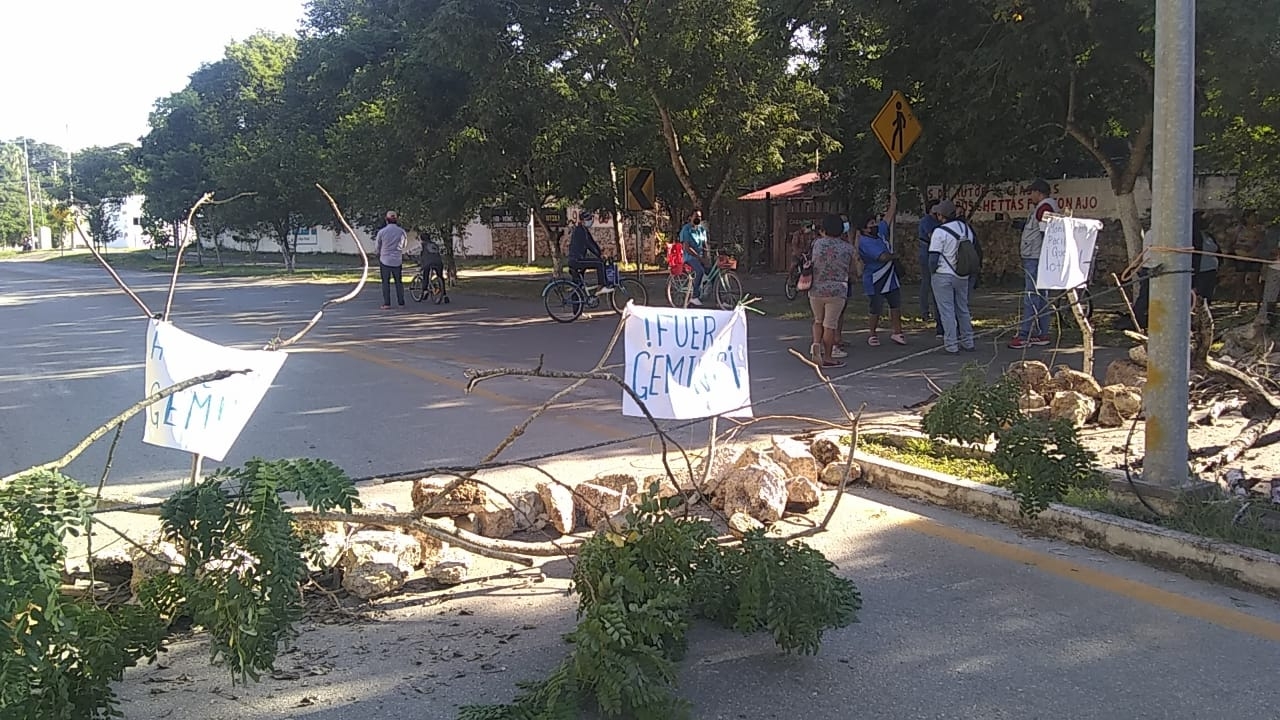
x,y
566,298
792,289
421,287
720,275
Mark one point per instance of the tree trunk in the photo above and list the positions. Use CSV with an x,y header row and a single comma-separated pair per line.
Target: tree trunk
x,y
617,215
286,249
553,243
450,260
1131,222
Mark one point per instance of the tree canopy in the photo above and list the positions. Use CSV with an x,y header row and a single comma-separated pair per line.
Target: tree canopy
x,y
439,108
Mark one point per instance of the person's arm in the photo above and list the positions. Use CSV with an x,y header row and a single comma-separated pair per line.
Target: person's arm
x,y
935,250
1041,210
377,244
891,213
686,235
594,246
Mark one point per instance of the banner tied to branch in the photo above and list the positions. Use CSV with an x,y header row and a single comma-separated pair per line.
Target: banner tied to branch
x,y
686,364
205,419
1066,256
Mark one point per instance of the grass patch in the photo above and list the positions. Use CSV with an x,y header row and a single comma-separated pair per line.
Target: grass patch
x,y
1210,519
931,455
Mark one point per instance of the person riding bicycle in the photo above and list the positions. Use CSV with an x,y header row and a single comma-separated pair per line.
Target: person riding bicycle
x,y
433,264
585,253
694,238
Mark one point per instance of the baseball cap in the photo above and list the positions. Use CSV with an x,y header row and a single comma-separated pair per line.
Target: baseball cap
x,y
945,208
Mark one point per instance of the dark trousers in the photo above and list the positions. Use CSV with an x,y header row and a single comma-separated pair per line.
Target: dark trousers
x,y
390,272
437,270
581,264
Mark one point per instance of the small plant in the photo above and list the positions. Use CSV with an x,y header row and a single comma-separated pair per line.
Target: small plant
x,y
1044,459
640,588
971,411
242,560
59,655
239,579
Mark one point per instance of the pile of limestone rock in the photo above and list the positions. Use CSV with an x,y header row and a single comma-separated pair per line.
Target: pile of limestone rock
x,y
753,485
1078,397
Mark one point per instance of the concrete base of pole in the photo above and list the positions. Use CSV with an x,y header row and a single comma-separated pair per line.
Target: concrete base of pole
x,y
1164,495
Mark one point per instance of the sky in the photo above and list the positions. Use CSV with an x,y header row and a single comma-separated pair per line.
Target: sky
x,y
78,73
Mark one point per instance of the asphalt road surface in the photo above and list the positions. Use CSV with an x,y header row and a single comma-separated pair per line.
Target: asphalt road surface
x,y
962,618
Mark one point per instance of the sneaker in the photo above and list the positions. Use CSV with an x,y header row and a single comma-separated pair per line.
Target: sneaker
x,y
696,302
832,364
1019,343
1041,340
969,349
839,353
446,299
606,290
386,307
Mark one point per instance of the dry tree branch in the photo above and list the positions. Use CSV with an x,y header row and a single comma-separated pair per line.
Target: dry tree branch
x,y
277,343
582,377
519,429
129,412
509,550
205,199
114,275
853,447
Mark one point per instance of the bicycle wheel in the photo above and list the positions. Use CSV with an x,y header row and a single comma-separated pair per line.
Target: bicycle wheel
x,y
416,288
793,282
679,287
628,289
564,300
728,290
436,289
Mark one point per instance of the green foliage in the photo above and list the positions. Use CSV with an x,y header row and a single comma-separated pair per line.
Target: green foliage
x,y
641,586
1044,459
971,411
58,656
239,580
242,559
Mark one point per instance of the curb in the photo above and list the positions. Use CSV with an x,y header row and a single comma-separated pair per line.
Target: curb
x,y
1191,555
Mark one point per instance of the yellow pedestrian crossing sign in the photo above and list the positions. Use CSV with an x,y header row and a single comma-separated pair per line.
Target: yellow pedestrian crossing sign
x,y
896,127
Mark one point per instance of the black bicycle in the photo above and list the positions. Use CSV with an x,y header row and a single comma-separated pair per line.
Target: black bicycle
x,y
566,298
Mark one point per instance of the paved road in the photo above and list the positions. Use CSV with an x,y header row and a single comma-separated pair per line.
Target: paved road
x,y
963,618
375,391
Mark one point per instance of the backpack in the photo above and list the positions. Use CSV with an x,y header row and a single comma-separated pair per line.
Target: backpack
x,y
968,258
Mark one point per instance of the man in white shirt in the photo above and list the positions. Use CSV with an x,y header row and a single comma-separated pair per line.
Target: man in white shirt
x,y
950,289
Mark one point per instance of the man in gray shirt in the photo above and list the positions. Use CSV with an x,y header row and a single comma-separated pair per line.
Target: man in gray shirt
x,y
390,249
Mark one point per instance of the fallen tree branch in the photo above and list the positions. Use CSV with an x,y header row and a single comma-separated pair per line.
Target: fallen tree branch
x,y
132,410
277,343
506,550
1265,405
114,275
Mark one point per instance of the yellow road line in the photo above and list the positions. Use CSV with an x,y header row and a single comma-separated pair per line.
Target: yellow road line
x,y
1190,607
505,400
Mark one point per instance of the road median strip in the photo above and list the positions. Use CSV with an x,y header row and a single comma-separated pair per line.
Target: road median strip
x,y
1191,555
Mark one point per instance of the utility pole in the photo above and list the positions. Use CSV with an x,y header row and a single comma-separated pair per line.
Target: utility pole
x,y
31,213
1169,325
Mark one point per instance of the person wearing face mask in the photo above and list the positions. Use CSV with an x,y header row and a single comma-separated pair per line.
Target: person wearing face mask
x,y
585,253
694,238
879,275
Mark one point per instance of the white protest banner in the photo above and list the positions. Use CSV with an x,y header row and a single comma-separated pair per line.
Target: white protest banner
x,y
205,419
687,364
1067,253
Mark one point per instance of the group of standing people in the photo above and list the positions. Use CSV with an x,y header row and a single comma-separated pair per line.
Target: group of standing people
x,y
843,253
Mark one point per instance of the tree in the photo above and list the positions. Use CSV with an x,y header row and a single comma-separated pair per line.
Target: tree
x,y
105,176
723,96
